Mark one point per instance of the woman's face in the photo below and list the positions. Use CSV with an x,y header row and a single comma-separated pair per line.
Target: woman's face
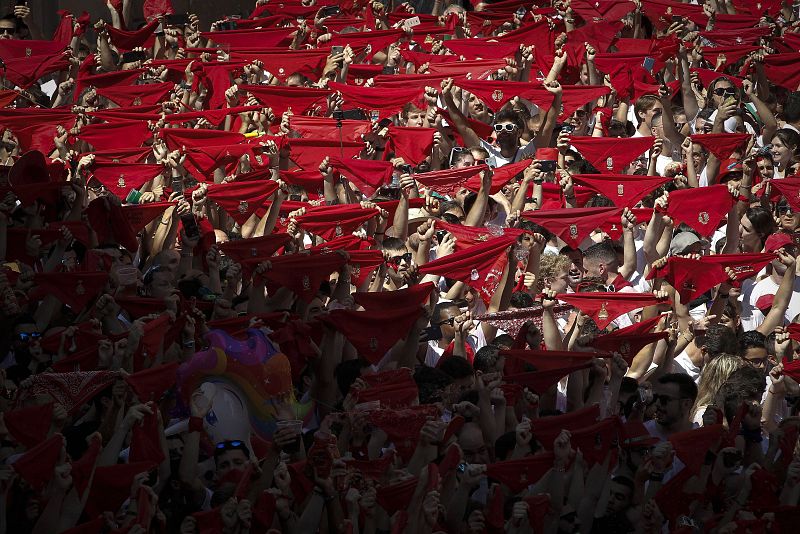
x,y
466,160
781,154
749,240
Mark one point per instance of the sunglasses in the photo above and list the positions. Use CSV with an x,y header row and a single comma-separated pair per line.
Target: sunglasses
x,y
7,31
26,336
784,210
405,257
231,445
451,321
508,127
663,399
730,91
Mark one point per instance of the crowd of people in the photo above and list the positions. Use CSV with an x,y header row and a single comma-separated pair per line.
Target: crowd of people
x,y
365,267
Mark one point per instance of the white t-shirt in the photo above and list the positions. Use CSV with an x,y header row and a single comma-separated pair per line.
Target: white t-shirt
x,y
496,159
752,316
683,364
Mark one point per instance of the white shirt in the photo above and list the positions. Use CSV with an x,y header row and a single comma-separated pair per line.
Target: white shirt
x,y
683,364
496,159
752,316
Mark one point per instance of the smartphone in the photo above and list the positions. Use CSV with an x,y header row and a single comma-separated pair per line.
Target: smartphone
x,y
159,30
328,11
547,165
432,333
648,63
567,128
440,235
133,56
190,226
462,467
21,3
730,101
384,123
177,185
177,19
337,50
227,25
406,169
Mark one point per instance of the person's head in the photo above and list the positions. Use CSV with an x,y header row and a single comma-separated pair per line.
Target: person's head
x,y
297,80
681,121
645,107
600,260
488,359
657,125
576,270
765,166
713,375
620,495
753,348
158,282
730,317
8,27
785,147
508,126
554,270
780,241
703,123
431,383
719,90
754,229
461,373
444,316
520,299
717,339
580,121
674,396
230,455
461,157
412,116
399,256
788,219
473,445
488,214
745,384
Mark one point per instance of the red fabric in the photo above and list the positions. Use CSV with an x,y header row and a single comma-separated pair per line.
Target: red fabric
x,y
613,340
154,334
374,333
328,222
743,265
28,48
603,308
241,199
71,390
36,466
411,144
605,10
146,439
202,161
545,360
691,446
623,190
547,429
110,136
792,369
35,128
789,188
121,155
282,63
732,53
519,474
303,273
721,145
177,138
411,296
310,180
112,485
309,153
396,496
140,215
469,236
541,381
575,96
611,154
367,175
613,226
702,209
596,441
362,264
7,97
495,94
386,101
689,277
151,384
735,37
137,95
641,88
449,181
214,116
249,252
782,70
75,290
403,426
280,98
391,396
481,49
325,128
480,266
154,8
25,71
376,40
29,426
500,176
255,39
120,178
495,520
572,225
106,79
707,76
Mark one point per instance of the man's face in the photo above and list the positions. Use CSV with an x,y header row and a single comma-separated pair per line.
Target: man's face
x,y
161,285
576,270
508,135
447,321
593,267
670,408
648,115
698,157
401,258
757,357
8,30
473,445
415,119
559,282
229,460
25,334
619,498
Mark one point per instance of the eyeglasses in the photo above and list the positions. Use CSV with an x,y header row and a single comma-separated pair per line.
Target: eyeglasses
x,y
729,91
784,210
405,257
29,336
508,127
451,321
663,399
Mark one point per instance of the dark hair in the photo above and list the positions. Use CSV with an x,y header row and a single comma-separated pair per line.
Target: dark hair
x,y
436,315
744,383
450,218
685,383
719,339
752,339
393,243
599,201
486,358
790,138
534,228
510,115
470,199
521,299
430,381
602,252
762,221
456,367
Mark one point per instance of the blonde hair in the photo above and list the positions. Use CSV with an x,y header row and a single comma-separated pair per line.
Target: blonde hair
x,y
551,264
714,374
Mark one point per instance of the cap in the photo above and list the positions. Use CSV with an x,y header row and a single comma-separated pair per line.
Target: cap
x,y
603,308
682,241
480,266
367,175
611,154
777,241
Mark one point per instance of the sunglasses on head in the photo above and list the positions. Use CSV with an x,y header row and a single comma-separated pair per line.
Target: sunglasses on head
x,y
231,445
29,336
508,127
719,91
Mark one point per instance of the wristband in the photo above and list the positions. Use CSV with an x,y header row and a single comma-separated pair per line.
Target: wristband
x,y
195,424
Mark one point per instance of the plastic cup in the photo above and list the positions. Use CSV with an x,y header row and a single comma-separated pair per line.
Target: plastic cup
x,y
127,275
296,426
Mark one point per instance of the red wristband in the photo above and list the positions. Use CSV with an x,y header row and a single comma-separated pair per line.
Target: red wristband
x,y
196,424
